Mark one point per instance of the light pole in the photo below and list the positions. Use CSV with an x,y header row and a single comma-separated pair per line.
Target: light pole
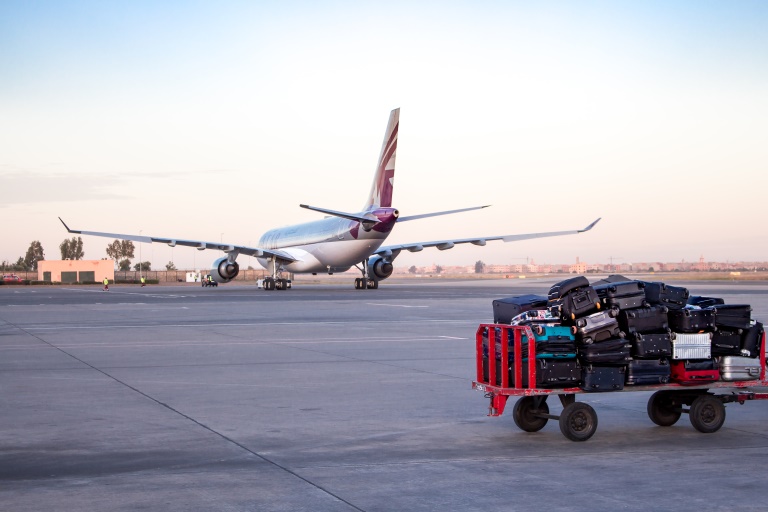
x,y
140,232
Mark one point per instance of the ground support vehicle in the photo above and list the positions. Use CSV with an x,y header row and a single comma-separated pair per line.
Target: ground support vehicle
x,y
207,281
578,420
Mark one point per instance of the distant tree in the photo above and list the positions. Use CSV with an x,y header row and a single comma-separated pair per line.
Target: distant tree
x,y
438,269
412,270
20,265
34,254
650,269
479,267
170,266
144,266
121,250
124,265
72,249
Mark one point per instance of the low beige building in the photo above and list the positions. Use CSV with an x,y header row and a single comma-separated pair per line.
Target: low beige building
x,y
75,271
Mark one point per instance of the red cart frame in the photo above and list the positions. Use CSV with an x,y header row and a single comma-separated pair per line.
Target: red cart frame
x,y
578,420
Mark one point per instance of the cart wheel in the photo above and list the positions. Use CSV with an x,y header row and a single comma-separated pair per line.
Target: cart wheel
x,y
523,414
578,421
707,414
661,409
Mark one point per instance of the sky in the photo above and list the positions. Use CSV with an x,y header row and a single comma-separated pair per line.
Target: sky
x,y
215,120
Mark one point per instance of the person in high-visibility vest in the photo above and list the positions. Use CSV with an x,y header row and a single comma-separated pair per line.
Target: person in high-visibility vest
x,y
143,281
106,284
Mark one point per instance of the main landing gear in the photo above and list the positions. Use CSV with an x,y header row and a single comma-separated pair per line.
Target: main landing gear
x,y
366,282
363,283
275,282
270,283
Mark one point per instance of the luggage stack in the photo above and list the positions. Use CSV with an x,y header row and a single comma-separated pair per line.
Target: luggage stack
x,y
621,332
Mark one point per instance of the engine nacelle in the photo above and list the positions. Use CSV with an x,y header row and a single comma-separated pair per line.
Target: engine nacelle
x,y
380,267
223,271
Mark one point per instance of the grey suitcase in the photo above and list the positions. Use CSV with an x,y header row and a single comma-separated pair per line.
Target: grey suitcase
x,y
739,368
691,346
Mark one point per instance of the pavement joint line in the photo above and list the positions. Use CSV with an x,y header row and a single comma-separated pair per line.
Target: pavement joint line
x,y
202,425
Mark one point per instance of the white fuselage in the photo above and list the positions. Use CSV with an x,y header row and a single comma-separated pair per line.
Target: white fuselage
x,y
332,244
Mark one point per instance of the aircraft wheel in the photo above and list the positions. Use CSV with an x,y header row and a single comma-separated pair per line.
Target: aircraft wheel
x,y
373,284
357,283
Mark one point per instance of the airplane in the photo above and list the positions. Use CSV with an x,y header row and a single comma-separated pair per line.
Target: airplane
x,y
337,242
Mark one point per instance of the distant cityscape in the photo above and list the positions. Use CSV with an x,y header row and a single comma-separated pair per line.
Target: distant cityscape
x,y
581,267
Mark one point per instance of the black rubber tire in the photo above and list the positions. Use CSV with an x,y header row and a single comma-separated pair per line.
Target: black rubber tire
x,y
707,414
523,414
661,410
578,421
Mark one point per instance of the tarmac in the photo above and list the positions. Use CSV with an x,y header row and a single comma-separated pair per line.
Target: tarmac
x,y
324,398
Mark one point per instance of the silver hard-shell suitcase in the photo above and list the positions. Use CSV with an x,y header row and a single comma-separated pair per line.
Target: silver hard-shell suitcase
x,y
739,368
691,346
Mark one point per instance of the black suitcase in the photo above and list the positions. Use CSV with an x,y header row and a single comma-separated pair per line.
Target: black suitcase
x,y
559,290
727,342
602,378
646,372
597,326
551,373
574,304
737,316
610,352
674,297
624,295
651,345
504,310
647,319
751,340
613,278
704,302
692,320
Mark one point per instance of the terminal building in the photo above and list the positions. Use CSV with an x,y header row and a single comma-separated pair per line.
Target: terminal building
x,y
75,271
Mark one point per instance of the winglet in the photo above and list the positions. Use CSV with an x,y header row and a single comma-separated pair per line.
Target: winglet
x,y
590,226
67,227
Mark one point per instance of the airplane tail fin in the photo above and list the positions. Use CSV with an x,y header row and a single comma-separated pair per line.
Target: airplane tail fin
x,y
381,190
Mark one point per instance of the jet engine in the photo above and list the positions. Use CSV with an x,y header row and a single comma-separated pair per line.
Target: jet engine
x,y
224,271
380,267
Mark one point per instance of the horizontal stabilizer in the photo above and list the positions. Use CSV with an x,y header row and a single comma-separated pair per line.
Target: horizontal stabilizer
x,y
435,214
344,215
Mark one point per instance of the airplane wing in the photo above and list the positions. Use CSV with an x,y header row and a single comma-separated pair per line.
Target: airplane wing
x,y
391,251
198,244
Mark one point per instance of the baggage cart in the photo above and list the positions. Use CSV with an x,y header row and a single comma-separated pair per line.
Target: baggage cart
x,y
704,404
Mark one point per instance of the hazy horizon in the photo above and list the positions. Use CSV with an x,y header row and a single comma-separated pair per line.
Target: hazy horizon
x,y
214,121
